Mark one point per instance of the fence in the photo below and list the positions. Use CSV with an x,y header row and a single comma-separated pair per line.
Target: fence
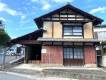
x,y
6,59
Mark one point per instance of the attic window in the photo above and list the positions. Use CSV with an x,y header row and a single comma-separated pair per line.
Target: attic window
x,y
71,15
63,15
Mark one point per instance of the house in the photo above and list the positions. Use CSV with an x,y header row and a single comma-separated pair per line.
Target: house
x,y
65,37
100,34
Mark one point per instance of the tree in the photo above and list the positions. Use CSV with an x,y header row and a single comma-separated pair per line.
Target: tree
x,y
4,37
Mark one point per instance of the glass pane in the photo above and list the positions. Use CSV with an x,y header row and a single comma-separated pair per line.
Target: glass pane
x,y
67,33
77,33
78,53
71,15
63,15
67,30
68,53
77,29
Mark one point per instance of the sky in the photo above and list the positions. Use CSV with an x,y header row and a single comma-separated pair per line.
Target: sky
x,y
18,15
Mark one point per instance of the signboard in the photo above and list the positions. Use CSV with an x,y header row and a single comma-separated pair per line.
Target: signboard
x,y
44,50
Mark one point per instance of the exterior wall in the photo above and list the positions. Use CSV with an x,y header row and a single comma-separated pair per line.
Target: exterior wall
x,y
88,32
100,33
54,30
53,55
90,56
47,26
57,30
104,60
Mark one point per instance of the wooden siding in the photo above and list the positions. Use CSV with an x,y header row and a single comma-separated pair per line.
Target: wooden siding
x,y
57,30
53,55
88,32
54,30
90,55
47,26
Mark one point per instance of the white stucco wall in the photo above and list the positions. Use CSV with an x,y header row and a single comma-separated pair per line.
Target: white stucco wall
x,y
104,61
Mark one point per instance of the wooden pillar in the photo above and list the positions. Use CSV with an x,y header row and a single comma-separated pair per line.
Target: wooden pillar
x,y
26,59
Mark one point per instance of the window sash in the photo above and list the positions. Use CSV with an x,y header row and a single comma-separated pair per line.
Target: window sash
x,y
69,30
73,53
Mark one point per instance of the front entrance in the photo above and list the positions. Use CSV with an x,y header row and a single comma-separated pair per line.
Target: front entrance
x,y
33,53
73,56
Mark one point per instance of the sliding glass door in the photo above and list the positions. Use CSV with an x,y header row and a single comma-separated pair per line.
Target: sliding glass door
x,y
73,56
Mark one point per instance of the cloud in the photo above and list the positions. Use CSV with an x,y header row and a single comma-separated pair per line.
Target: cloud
x,y
34,0
3,19
63,1
5,8
45,5
98,10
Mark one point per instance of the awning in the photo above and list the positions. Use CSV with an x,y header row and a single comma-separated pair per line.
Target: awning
x,y
67,40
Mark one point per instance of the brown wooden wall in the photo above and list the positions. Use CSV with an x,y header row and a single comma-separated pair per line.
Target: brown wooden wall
x,y
47,26
53,55
90,55
54,30
88,30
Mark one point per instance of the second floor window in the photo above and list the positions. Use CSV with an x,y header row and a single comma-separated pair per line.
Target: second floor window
x,y
72,30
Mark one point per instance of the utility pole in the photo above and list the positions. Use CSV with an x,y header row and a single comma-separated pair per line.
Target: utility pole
x,y
4,51
4,54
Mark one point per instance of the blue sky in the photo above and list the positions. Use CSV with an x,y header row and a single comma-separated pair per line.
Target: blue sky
x,y
18,15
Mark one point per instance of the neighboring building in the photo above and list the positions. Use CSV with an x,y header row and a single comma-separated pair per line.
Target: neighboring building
x,y
100,34
64,37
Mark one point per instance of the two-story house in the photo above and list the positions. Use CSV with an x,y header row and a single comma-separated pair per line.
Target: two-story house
x,y
65,37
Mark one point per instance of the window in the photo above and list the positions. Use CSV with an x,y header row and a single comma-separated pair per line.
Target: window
x,y
72,30
68,53
73,53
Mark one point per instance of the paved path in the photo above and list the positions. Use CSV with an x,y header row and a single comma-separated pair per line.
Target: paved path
x,y
17,76
7,76
33,72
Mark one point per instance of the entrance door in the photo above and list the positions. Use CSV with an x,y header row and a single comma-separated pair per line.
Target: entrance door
x,y
73,56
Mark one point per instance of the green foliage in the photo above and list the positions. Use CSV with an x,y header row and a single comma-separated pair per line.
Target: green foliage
x,y
4,38
104,43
